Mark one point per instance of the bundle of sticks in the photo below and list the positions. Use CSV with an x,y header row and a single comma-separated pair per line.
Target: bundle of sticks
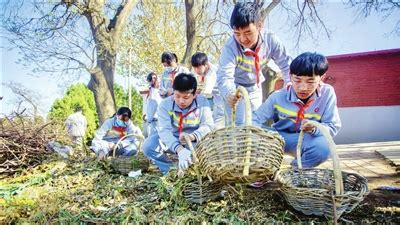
x,y
23,142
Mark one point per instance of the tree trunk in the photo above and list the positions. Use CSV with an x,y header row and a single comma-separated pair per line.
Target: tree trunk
x,y
190,32
271,77
268,86
101,84
106,34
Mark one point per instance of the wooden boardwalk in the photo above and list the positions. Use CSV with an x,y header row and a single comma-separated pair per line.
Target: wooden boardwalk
x,y
379,162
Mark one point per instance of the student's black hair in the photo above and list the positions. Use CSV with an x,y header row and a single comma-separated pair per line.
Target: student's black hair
x,y
244,14
185,82
199,59
309,64
168,57
78,108
124,110
149,77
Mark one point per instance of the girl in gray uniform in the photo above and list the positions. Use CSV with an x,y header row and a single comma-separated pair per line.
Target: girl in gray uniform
x,y
111,131
171,69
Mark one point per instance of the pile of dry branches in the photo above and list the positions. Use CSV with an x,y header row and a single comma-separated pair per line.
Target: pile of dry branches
x,y
23,142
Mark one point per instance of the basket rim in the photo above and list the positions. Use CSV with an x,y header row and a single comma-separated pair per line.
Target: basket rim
x,y
337,172
355,195
137,136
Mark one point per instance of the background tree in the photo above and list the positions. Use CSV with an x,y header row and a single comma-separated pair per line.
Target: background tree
x,y
384,8
154,28
76,95
70,36
24,95
161,26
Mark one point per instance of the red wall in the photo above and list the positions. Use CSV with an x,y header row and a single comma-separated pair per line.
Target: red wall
x,y
366,79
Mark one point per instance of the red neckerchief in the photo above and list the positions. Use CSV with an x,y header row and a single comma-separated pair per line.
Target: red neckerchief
x,y
181,117
120,130
302,109
248,52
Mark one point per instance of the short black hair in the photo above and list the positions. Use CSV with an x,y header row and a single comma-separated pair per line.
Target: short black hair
x,y
199,59
125,111
309,64
149,77
78,108
168,57
185,82
244,14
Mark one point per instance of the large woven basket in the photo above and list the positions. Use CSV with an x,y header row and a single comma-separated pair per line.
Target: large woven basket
x,y
322,192
241,154
201,191
198,188
125,164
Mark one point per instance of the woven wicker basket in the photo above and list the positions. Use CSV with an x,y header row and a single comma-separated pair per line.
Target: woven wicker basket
x,y
125,164
201,191
198,189
241,154
322,192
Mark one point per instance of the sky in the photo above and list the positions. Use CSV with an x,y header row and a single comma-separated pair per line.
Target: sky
x,y
350,34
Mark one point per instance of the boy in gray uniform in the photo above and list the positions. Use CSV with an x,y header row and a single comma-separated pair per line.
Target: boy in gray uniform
x,y
207,85
183,113
307,98
244,55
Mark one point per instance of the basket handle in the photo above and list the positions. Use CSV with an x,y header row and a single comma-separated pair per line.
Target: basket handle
x,y
336,163
248,122
245,95
190,145
196,167
181,173
137,136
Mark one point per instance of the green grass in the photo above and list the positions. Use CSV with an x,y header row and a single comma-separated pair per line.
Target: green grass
x,y
88,191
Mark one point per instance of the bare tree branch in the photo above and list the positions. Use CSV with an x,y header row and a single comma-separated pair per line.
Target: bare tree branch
x,y
384,8
121,16
266,11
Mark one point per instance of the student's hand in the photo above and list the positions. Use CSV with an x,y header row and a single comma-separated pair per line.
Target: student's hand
x,y
111,145
185,158
233,99
182,139
170,91
101,155
307,127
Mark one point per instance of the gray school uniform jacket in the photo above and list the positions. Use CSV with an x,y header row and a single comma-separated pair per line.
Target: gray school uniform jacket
x,y
198,120
167,79
111,132
282,106
236,68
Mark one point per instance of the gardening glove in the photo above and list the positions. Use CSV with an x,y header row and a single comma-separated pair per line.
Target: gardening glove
x,y
182,139
110,145
185,158
101,155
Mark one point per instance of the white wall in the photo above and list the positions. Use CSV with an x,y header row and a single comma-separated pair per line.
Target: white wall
x,y
369,124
